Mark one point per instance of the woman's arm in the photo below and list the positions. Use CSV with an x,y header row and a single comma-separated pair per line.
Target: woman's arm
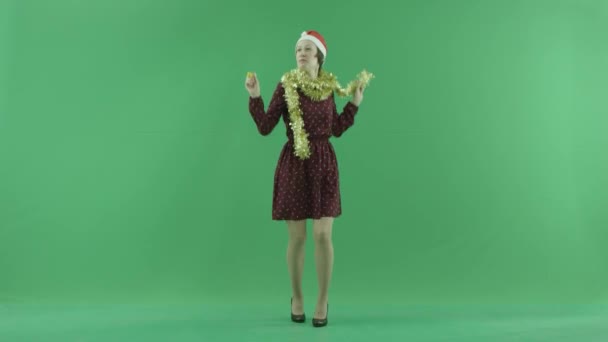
x,y
341,122
266,121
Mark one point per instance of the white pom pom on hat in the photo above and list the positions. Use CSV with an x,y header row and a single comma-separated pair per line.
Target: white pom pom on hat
x,y
316,38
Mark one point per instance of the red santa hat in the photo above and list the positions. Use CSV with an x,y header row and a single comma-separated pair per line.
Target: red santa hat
x,y
316,38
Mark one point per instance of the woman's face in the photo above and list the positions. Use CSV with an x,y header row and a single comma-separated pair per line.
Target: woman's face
x,y
306,55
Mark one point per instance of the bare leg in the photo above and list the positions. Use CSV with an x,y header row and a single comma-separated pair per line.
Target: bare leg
x,y
295,262
324,258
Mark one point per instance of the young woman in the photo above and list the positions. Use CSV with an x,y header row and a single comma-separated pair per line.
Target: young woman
x,y
306,180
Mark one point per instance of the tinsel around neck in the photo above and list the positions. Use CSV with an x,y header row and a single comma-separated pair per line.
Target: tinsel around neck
x,y
319,88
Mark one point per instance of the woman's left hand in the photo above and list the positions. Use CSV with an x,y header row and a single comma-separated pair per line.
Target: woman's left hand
x,y
358,95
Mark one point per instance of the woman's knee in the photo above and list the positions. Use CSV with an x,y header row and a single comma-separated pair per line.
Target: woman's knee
x,y
322,230
322,236
297,238
297,231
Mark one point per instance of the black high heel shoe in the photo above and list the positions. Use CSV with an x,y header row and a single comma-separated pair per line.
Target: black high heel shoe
x,y
321,322
297,318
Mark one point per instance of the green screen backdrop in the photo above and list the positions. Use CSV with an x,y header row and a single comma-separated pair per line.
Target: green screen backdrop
x,y
476,170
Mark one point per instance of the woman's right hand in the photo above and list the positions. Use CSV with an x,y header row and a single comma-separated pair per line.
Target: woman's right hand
x,y
252,85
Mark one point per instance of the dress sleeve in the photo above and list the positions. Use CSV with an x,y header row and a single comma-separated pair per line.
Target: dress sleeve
x,y
267,121
341,122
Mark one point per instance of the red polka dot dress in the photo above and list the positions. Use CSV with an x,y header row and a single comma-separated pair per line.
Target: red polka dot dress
x,y
308,188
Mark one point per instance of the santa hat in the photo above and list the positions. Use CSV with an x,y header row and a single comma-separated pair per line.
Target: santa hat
x,y
316,38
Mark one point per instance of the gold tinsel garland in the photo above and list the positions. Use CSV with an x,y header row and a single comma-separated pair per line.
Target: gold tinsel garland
x,y
317,89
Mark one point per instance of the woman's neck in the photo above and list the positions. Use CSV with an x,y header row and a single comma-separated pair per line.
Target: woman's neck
x,y
312,73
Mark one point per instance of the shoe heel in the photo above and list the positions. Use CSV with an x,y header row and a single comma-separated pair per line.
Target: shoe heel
x,y
297,318
321,322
